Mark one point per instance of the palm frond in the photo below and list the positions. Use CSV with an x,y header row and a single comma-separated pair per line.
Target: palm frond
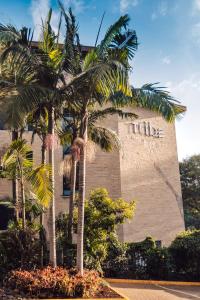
x,y
105,138
111,33
8,33
97,115
39,178
157,99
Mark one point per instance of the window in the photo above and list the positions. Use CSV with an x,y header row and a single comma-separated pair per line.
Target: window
x,y
67,180
6,214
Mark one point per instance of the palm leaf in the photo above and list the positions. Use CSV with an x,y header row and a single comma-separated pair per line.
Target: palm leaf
x,y
97,115
111,33
104,137
157,99
40,182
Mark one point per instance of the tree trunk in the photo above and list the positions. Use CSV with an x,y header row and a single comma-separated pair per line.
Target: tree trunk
x,y
23,203
43,160
81,202
52,231
72,199
15,190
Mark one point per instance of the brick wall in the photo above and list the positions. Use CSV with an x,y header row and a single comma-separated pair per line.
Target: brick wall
x,y
144,169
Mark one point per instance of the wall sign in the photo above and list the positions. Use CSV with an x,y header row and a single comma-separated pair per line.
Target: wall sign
x,y
145,128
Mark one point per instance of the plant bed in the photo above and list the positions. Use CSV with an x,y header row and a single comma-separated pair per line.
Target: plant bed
x,y
57,283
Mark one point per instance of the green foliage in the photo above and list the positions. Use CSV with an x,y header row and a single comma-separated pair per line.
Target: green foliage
x,y
185,251
137,254
18,249
116,262
16,165
158,264
54,282
190,184
102,216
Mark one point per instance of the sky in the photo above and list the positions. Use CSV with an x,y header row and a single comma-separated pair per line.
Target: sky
x,y
169,46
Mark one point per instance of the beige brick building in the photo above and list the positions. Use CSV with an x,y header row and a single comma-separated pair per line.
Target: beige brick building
x,y
145,169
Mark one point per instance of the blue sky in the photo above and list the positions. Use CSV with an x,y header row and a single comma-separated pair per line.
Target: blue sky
x,y
169,51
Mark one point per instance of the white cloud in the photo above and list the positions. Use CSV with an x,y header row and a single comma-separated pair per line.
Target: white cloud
x,y
166,60
197,4
163,8
126,4
188,92
161,11
78,6
39,10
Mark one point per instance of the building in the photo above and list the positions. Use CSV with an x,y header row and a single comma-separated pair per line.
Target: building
x,y
144,169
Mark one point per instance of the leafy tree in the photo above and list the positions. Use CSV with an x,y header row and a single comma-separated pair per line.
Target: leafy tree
x,y
190,184
102,217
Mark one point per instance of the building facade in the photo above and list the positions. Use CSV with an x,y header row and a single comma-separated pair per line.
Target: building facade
x,y
145,169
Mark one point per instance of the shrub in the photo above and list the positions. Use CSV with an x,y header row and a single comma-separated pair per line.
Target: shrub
x,y
116,263
18,249
158,264
50,282
185,252
137,257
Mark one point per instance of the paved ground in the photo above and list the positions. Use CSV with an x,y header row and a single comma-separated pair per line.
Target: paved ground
x,y
157,292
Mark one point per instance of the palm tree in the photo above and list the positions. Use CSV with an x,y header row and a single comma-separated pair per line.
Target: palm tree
x,y
101,136
110,84
40,84
33,180
56,74
9,37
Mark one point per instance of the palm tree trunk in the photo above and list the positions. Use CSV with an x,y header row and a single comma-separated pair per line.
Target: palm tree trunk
x,y
15,191
43,160
52,231
72,199
22,195
23,203
81,202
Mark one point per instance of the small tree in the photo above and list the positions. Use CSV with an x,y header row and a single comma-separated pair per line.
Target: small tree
x,y
102,217
34,181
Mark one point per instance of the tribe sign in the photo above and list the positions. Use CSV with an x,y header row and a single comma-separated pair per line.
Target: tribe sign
x,y
145,128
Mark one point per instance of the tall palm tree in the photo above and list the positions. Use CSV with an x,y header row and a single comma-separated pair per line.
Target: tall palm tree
x,y
9,37
110,84
44,65
101,136
57,75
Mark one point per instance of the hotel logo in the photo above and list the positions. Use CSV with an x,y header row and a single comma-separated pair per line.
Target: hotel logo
x,y
146,129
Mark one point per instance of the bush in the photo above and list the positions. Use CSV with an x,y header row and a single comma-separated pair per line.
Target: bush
x,y
185,252
116,263
19,249
137,258
158,264
50,282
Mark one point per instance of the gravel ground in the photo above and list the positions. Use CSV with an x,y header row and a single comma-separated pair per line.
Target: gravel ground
x,y
157,292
